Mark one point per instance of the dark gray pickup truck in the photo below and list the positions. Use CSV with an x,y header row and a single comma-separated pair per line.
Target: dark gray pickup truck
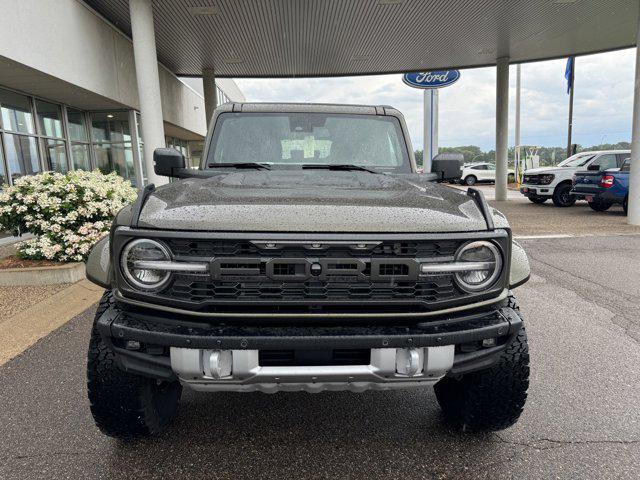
x,y
306,253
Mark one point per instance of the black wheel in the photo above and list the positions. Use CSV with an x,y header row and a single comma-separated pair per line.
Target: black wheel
x,y
470,180
562,196
491,399
600,205
125,405
625,205
537,200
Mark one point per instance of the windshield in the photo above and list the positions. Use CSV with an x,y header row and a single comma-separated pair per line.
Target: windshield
x,y
576,160
291,140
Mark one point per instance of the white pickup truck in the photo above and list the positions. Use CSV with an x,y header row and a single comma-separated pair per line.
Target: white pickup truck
x,y
541,184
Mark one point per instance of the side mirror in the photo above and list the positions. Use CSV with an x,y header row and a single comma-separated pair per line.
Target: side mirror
x,y
593,167
168,161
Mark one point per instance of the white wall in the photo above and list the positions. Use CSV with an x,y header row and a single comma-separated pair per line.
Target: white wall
x,y
67,40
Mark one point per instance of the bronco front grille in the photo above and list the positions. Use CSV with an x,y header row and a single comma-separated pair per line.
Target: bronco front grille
x,y
313,274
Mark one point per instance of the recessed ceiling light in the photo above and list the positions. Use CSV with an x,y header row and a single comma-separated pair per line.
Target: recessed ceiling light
x,y
109,115
207,10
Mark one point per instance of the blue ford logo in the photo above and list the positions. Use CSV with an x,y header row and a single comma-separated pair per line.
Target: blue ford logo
x,y
434,79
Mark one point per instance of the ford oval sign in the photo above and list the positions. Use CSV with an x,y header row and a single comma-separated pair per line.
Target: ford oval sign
x,y
435,79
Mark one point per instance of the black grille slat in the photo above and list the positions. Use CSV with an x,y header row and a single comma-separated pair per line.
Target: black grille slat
x,y
389,249
434,289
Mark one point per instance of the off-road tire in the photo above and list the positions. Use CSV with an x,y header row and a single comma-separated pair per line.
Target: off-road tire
x,y
124,405
491,399
537,200
562,197
600,206
625,205
470,180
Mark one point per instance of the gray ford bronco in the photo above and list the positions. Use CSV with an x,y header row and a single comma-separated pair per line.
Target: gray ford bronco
x,y
306,253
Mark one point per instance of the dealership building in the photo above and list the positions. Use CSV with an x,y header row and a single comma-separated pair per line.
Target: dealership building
x,y
69,96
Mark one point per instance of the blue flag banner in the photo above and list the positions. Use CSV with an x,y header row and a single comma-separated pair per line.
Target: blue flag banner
x,y
568,73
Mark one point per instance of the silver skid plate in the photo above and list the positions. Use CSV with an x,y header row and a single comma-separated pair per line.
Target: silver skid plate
x,y
240,371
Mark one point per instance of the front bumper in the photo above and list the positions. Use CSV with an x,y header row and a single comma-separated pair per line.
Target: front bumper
x,y
225,357
536,190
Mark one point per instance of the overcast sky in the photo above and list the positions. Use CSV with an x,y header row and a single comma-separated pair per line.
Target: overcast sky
x,y
602,106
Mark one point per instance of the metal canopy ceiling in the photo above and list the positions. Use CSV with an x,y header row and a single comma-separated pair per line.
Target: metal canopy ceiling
x,y
287,38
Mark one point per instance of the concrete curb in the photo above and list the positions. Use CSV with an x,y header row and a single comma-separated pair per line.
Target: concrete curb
x,y
11,240
19,332
65,273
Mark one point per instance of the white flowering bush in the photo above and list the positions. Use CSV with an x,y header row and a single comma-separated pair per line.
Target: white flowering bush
x,y
67,213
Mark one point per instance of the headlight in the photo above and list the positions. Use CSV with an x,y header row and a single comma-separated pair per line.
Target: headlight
x,y
546,179
485,264
142,250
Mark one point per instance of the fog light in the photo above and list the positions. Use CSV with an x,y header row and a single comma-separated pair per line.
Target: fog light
x,y
489,342
132,345
409,361
217,363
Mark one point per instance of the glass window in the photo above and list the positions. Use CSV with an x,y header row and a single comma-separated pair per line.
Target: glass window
x,y
623,157
143,164
55,155
111,127
16,112
49,119
3,175
22,155
114,157
195,148
626,166
606,161
77,127
310,138
80,155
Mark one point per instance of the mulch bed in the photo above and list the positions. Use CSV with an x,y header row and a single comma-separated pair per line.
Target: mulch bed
x,y
15,262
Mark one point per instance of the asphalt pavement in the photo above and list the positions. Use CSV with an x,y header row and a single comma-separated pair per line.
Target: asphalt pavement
x,y
582,418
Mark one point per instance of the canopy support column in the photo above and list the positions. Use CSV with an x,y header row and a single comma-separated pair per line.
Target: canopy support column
x,y
148,80
210,93
502,127
634,175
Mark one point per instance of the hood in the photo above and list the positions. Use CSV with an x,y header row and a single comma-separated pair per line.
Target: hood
x,y
310,201
535,171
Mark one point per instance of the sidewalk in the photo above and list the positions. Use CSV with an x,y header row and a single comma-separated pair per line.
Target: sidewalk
x,y
32,312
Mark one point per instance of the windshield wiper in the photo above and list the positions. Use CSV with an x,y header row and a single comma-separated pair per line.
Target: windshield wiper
x,y
343,167
257,166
